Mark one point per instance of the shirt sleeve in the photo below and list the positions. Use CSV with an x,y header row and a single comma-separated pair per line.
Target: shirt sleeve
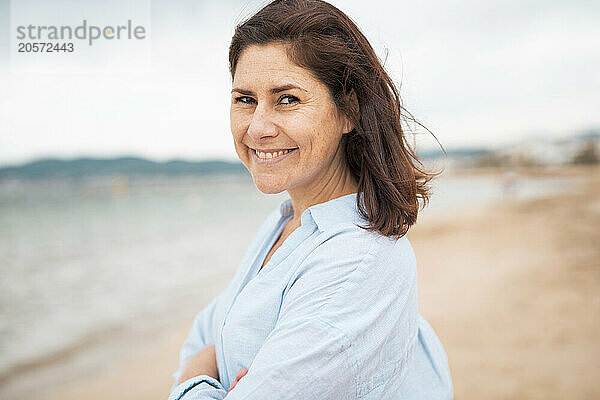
x,y
323,346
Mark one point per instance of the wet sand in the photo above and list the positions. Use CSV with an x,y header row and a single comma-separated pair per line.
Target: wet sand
x,y
512,289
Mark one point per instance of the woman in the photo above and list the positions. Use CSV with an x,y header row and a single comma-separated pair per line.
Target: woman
x,y
324,303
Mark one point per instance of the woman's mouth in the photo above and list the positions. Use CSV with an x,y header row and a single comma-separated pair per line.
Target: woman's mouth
x,y
271,156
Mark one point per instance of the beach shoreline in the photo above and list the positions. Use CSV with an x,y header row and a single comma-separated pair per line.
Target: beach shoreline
x,y
520,260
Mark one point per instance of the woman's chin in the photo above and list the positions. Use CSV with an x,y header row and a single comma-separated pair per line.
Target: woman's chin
x,y
268,186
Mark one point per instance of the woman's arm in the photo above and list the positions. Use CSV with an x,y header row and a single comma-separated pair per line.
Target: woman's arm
x,y
199,337
298,362
202,363
201,332
332,339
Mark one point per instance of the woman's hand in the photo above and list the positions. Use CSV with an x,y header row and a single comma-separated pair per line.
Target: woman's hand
x,y
239,376
202,363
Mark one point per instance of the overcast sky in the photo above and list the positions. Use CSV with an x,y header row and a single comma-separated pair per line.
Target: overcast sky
x,y
477,73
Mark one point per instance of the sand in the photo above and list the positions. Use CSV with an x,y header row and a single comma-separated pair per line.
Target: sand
x,y
511,289
513,292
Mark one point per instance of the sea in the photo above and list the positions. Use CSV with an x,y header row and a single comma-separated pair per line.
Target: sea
x,y
84,260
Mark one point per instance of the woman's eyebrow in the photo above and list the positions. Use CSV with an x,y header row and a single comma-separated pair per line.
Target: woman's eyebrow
x,y
284,88
274,90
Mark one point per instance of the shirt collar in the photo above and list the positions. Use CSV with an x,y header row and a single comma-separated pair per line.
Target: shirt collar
x,y
339,210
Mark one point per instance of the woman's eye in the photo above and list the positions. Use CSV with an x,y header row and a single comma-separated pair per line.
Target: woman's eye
x,y
244,100
288,99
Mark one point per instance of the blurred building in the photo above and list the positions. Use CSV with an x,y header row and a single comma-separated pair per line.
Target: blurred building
x,y
579,149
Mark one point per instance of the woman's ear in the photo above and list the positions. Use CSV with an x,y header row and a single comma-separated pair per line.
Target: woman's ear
x,y
348,126
353,109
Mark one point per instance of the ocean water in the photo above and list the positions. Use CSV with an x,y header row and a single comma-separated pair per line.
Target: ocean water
x,y
81,259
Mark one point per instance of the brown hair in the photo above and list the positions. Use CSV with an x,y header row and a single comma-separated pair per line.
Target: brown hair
x,y
324,40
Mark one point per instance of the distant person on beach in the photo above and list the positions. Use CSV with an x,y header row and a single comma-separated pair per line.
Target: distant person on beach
x,y
324,303
509,184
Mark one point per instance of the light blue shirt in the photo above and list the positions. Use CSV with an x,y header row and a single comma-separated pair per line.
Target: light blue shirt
x,y
332,315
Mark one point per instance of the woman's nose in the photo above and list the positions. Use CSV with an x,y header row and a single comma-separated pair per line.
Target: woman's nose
x,y
261,124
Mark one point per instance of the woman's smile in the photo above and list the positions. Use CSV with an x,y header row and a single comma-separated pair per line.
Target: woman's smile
x,y
270,156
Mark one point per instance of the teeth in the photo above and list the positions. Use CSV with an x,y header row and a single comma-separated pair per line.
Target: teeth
x,y
263,155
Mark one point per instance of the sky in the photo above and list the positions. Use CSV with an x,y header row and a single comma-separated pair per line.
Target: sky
x,y
476,73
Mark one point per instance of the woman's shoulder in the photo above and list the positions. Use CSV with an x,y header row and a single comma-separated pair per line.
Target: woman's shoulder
x,y
354,259
341,224
368,250
342,244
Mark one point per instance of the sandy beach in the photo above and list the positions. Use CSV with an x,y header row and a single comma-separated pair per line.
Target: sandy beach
x,y
513,292
512,289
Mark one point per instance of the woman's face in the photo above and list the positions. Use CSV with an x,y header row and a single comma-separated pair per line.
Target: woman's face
x,y
285,126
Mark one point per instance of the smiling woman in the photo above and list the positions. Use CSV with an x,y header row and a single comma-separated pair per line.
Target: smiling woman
x,y
324,303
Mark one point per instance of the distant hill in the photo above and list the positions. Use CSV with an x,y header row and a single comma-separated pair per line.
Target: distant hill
x,y
452,153
129,166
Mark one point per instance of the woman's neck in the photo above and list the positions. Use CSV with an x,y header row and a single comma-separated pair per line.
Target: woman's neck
x,y
334,186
